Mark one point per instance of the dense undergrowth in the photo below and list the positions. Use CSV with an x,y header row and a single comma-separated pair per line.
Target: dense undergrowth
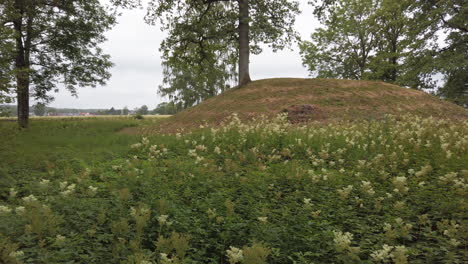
x,y
387,191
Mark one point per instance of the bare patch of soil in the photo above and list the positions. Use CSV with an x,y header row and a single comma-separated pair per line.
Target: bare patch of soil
x,y
303,113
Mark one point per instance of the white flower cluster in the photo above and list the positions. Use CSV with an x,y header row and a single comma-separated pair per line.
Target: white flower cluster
x,y
162,220
44,183
92,190
235,255
16,254
400,184
5,209
67,189
342,240
387,253
367,187
29,199
344,192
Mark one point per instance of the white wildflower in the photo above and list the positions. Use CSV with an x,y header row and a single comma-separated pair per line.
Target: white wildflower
x,y
262,219
16,254
344,192
4,209
63,185
235,255
342,240
367,187
92,190
383,254
162,219
165,259
136,145
29,199
20,210
44,183
59,239
217,150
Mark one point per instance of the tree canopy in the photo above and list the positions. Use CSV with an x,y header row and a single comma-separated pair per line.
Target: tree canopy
x,y
206,39
397,41
46,44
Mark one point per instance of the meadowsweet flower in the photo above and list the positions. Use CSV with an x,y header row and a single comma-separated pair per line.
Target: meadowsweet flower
x,y
235,255
59,239
399,255
217,150
342,240
92,190
307,201
20,210
162,219
262,219
316,214
16,254
136,145
344,192
454,242
367,187
400,184
29,199
165,259
44,183
382,254
63,185
4,209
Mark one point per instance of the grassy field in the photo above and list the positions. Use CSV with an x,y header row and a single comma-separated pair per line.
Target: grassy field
x,y
387,191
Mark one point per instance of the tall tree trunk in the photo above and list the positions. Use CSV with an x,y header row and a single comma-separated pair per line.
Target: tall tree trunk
x,y
244,50
22,66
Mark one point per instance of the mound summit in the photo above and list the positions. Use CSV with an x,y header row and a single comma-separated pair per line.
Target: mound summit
x,y
319,99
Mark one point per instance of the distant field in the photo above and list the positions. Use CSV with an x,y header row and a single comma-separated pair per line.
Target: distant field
x,y
88,117
78,190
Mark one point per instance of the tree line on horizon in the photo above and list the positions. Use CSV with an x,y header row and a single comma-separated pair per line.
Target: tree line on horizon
x,y
207,50
41,109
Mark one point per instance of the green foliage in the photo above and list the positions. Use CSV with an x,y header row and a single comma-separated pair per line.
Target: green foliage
x,y
143,110
383,191
40,109
201,50
165,108
46,43
394,41
138,116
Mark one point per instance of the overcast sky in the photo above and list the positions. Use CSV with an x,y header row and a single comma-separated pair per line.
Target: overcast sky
x,y
133,46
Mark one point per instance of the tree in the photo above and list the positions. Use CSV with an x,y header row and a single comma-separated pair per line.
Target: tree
x,y
112,111
206,38
143,110
51,42
370,39
341,49
125,111
451,58
40,109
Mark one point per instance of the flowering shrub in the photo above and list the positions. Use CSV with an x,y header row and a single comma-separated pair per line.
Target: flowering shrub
x,y
386,191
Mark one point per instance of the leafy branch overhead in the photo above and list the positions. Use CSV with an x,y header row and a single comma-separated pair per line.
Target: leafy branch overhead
x,y
206,39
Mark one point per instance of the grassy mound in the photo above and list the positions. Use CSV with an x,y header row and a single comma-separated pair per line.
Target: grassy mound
x,y
334,99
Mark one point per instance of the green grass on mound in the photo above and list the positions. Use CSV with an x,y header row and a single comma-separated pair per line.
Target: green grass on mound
x,y
335,99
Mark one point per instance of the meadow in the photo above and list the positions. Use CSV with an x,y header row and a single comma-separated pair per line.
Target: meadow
x,y
391,190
